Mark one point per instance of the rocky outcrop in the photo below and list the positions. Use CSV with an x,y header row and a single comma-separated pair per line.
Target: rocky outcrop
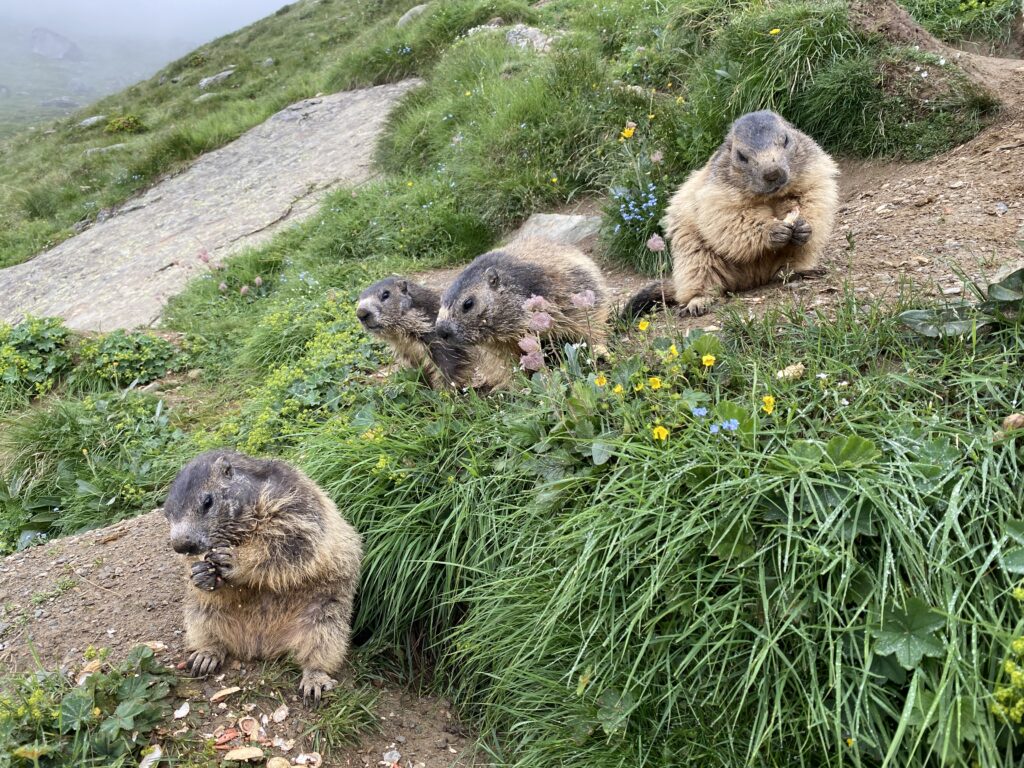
x,y
51,45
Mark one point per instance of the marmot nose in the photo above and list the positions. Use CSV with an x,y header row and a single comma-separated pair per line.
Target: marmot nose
x,y
362,313
185,546
444,332
776,177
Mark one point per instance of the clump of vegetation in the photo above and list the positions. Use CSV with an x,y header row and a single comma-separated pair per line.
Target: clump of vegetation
x,y
958,20
33,356
48,721
120,358
125,124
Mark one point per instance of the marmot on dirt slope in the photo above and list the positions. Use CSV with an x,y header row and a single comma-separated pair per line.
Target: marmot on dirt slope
x,y
402,313
486,310
279,565
765,201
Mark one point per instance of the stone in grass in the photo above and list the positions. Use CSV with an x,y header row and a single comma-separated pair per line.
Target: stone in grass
x,y
412,13
523,36
206,82
89,122
243,754
561,228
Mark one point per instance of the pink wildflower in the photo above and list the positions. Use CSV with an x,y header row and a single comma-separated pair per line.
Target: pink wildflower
x,y
656,243
657,157
223,287
540,321
533,361
584,300
529,344
204,256
244,290
257,281
535,304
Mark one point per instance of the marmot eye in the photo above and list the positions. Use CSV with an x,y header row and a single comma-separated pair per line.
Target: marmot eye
x,y
207,501
384,296
467,305
785,140
743,158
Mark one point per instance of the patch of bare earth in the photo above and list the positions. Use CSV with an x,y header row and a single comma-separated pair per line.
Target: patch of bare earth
x,y
120,586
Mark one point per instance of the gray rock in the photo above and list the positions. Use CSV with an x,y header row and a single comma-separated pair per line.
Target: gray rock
x,y
269,62
115,274
206,96
561,228
523,36
104,150
220,77
89,122
412,13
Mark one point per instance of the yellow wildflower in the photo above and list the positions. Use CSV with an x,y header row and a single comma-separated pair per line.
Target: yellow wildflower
x,y
708,360
660,433
654,382
408,183
650,116
469,93
617,389
628,131
673,352
1018,593
600,380
769,404
643,325
638,387
774,31
554,179
849,742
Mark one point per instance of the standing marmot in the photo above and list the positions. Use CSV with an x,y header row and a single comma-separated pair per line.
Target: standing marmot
x,y
402,314
766,200
484,309
279,569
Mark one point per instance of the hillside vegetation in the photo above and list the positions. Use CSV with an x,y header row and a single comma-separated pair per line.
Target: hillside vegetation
x,y
674,557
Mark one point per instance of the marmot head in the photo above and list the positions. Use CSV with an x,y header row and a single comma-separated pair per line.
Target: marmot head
x,y
761,153
212,500
386,305
486,300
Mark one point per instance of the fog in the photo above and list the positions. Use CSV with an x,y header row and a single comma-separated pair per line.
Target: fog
x,y
191,21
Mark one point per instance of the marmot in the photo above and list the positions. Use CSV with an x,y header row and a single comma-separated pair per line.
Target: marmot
x,y
485,308
766,200
279,565
402,314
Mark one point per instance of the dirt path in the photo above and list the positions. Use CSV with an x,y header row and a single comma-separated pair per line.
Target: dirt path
x,y
120,586
119,273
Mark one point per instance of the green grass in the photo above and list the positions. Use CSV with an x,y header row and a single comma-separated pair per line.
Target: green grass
x,y
984,21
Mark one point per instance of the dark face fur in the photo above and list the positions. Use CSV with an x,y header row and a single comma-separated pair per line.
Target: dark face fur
x,y
382,306
466,306
210,502
762,152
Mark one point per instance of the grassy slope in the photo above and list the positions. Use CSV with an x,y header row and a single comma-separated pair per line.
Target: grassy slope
x,y
582,587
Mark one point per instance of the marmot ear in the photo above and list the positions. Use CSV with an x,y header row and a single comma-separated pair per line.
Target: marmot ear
x,y
223,466
492,277
403,285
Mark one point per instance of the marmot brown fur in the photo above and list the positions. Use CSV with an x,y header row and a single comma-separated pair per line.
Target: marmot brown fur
x,y
764,202
402,314
279,565
484,309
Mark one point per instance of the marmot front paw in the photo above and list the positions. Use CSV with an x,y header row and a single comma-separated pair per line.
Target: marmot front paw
x,y
314,684
224,561
205,661
780,233
205,576
801,232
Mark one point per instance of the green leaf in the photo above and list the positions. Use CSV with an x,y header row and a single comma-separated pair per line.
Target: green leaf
x,y
909,633
1010,288
1015,530
600,452
75,710
613,710
949,321
1013,560
851,451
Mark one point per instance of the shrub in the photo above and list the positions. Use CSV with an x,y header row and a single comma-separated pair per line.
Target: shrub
x,y
47,720
121,358
33,357
125,124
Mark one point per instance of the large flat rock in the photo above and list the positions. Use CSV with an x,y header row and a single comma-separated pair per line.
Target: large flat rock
x,y
120,273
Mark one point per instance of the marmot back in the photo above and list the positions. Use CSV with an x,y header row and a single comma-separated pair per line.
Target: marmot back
x,y
485,308
765,201
402,313
279,566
